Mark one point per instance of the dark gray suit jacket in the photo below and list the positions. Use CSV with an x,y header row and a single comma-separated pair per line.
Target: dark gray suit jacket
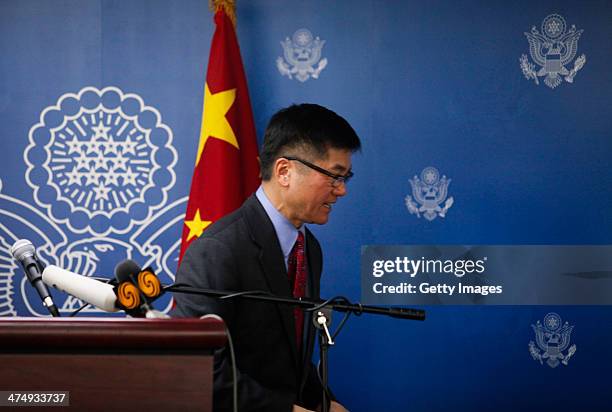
x,y
237,253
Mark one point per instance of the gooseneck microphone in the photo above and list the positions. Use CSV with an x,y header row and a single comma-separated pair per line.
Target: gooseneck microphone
x,y
23,251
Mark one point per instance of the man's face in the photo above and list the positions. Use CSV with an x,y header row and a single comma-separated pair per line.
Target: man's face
x,y
311,196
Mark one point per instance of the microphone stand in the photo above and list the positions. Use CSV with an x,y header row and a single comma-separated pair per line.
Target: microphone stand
x,y
325,341
308,304
321,320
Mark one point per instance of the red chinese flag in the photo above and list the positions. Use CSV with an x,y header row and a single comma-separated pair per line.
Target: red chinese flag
x,y
226,169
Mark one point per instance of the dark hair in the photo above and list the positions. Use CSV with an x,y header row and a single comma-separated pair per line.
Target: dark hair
x,y
308,127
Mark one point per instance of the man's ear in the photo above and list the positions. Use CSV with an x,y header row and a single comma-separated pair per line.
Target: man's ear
x,y
282,171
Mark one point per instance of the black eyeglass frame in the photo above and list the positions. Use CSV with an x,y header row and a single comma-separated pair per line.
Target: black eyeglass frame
x,y
337,179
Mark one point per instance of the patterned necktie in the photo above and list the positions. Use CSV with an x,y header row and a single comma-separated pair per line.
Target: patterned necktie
x,y
297,277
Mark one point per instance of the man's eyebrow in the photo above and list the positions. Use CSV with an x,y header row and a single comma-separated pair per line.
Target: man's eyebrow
x,y
340,168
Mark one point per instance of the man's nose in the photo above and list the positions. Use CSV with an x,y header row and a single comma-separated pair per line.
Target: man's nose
x,y
340,190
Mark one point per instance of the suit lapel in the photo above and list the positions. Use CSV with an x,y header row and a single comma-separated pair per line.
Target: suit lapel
x,y
272,265
313,254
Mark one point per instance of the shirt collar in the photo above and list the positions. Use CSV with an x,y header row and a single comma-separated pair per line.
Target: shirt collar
x,y
285,231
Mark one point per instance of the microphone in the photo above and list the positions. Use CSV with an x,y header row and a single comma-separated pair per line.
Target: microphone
x,y
128,294
137,288
126,270
23,250
99,294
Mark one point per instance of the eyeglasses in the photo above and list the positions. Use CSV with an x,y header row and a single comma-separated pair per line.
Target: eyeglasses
x,y
337,180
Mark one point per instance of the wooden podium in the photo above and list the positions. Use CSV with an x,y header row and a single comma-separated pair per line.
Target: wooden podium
x,y
113,364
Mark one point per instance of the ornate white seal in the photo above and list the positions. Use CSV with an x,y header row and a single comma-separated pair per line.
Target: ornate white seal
x,y
552,49
428,193
552,338
301,53
100,163
100,160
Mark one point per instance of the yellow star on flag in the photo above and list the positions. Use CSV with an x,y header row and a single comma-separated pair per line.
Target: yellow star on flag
x,y
214,122
196,226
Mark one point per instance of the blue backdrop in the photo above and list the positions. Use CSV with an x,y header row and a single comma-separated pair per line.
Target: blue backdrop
x,y
441,84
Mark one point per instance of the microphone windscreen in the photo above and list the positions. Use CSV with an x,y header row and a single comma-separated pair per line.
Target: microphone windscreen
x,y
22,248
125,269
89,290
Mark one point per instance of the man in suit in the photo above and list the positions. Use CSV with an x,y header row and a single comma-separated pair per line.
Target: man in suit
x,y
264,245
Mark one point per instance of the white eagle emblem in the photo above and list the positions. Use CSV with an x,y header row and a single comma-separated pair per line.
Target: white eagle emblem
x,y
301,53
552,338
429,192
552,49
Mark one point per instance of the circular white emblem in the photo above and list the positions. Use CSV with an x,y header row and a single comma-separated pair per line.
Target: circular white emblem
x,y
552,321
430,175
100,160
302,37
553,26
